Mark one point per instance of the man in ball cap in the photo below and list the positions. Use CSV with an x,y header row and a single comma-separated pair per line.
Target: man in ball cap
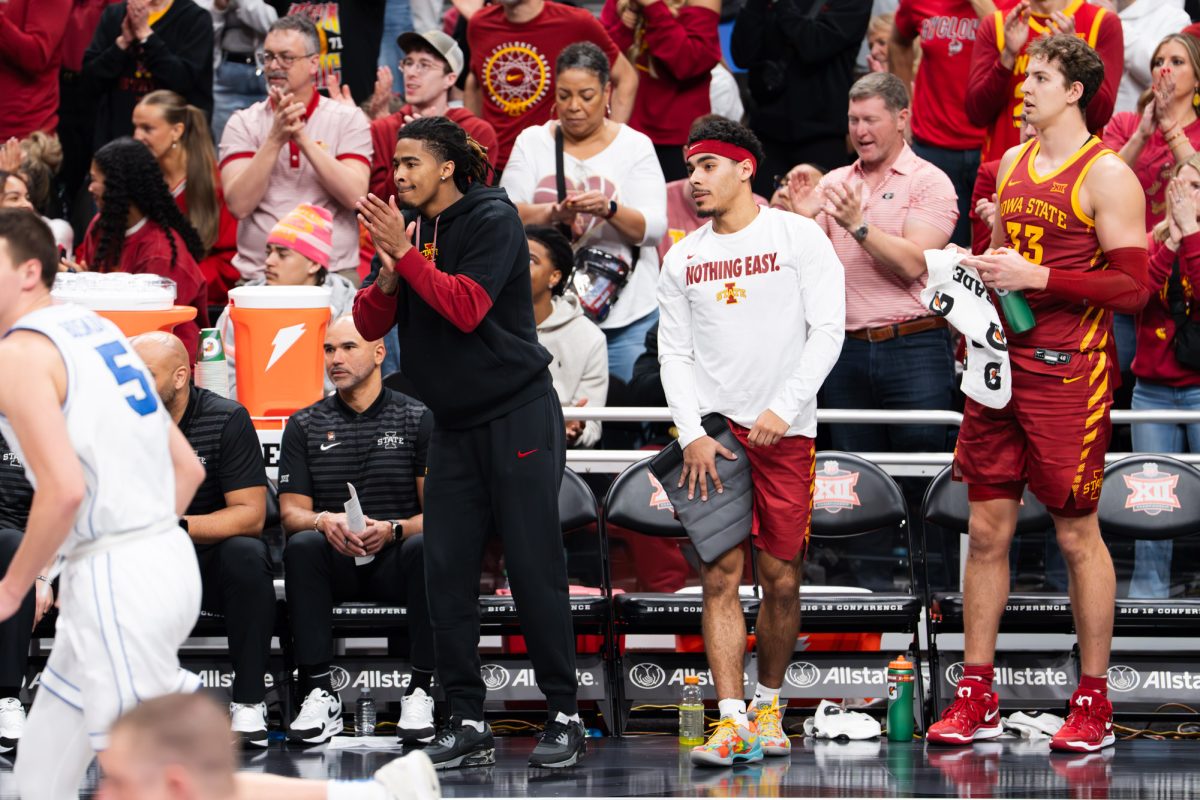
x,y
431,66
298,254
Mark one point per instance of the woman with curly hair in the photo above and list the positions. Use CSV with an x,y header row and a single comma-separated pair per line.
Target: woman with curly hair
x,y
178,136
140,229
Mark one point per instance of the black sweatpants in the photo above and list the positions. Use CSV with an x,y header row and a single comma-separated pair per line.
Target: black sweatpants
x,y
238,582
318,576
16,631
501,476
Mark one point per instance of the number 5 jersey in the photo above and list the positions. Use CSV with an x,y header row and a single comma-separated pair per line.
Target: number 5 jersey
x,y
117,426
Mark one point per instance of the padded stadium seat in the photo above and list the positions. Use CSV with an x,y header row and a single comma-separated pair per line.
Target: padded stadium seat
x,y
636,502
1152,497
852,498
946,505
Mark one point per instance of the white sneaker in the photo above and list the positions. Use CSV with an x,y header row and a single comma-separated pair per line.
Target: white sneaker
x,y
12,723
319,720
249,722
416,718
834,722
410,777
1032,724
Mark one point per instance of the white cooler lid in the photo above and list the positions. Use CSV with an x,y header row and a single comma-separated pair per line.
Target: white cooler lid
x,y
280,297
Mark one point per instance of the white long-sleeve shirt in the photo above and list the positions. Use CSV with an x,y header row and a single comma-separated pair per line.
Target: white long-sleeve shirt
x,y
750,321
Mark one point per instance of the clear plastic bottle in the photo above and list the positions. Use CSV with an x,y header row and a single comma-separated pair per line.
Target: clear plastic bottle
x,y
364,714
691,712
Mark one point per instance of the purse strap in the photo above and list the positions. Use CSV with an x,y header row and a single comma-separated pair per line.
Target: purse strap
x,y
1177,305
560,177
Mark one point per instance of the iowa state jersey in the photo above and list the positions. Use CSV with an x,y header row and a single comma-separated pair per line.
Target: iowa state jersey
x,y
1043,221
117,426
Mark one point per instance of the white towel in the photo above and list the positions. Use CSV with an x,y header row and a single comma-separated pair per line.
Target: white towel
x,y
956,292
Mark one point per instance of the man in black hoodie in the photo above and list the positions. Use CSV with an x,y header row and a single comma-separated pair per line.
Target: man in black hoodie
x,y
462,304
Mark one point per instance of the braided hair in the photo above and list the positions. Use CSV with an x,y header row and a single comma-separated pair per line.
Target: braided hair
x,y
132,177
449,142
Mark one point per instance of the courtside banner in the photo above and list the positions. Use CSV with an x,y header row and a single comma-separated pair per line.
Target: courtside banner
x,y
1023,680
1147,681
648,676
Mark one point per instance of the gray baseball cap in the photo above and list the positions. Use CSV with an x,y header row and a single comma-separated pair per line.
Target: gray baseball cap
x,y
439,42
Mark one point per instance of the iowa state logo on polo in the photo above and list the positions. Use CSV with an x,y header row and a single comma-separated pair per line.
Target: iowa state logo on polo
x,y
1152,491
834,490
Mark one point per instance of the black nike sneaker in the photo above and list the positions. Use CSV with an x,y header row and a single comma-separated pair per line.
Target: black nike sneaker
x,y
459,745
562,744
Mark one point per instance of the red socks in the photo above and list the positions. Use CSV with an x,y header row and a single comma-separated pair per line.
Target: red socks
x,y
1090,683
984,673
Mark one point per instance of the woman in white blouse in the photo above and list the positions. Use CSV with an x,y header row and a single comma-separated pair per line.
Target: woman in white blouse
x,y
616,198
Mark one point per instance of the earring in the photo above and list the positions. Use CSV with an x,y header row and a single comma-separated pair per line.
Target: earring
x,y
443,178
174,144
1196,98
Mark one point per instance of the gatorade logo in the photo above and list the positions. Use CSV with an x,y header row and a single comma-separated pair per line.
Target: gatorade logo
x,y
995,338
283,341
991,375
941,304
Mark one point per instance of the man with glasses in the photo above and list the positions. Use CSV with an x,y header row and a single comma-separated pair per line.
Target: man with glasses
x,y
431,66
295,145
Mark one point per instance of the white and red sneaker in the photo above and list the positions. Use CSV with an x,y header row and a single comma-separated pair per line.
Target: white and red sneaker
x,y
1089,725
973,716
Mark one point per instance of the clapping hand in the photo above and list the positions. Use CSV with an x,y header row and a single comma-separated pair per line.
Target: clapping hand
x,y
10,155
1182,221
1016,30
289,116
381,97
386,225
339,92
843,202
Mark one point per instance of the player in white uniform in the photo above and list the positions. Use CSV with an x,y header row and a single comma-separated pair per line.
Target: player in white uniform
x,y
111,475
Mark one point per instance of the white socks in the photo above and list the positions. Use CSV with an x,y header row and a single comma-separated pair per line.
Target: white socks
x,y
735,709
564,719
474,723
765,694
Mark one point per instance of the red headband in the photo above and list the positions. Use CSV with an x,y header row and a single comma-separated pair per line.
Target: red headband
x,y
719,148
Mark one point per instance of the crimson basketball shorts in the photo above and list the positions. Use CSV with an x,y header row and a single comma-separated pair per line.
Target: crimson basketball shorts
x,y
783,493
1052,436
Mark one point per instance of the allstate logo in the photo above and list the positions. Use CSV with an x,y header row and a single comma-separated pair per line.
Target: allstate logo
x,y
494,676
1123,679
647,675
954,673
802,674
339,678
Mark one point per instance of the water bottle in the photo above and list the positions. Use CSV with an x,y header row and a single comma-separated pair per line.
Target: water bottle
x,y
1016,310
900,700
691,713
364,714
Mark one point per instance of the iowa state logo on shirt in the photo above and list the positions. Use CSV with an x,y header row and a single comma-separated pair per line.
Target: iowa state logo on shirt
x,y
516,76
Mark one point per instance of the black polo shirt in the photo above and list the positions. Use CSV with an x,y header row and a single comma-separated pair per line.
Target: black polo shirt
x,y
381,451
221,433
16,494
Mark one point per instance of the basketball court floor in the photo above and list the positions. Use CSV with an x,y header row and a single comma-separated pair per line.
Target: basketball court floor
x,y
655,766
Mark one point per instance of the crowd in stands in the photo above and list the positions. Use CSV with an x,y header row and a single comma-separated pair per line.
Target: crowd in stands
x,y
226,142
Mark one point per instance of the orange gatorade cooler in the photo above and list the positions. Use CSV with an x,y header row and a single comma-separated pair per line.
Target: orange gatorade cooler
x,y
280,334
134,303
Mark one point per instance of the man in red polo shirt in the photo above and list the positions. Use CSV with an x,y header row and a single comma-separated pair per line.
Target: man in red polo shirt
x,y
514,45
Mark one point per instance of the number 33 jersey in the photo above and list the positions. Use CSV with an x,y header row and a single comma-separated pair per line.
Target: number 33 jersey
x,y
1043,220
117,426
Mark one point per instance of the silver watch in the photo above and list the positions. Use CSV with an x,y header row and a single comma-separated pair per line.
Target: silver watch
x,y
860,233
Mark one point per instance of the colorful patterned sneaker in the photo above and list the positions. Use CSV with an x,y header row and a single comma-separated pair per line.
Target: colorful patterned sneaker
x,y
768,721
729,744
973,716
1089,725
